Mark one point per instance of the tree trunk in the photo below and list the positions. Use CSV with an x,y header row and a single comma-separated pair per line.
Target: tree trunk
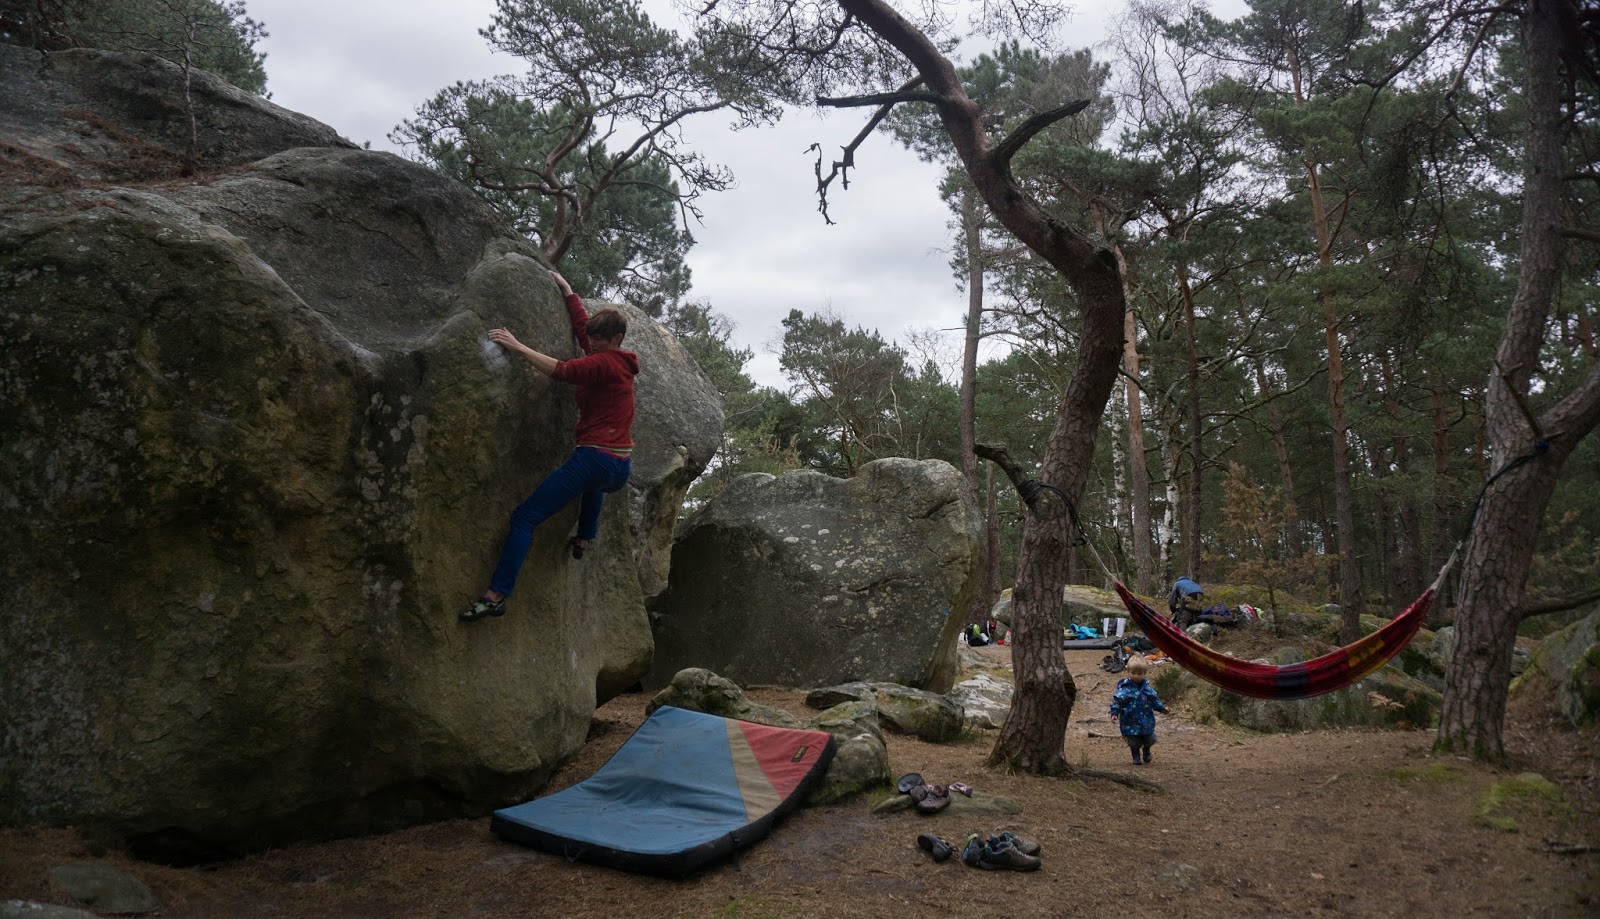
x,y
1168,529
1138,471
1351,597
995,574
1350,592
1472,717
1190,518
1035,733
972,226
1443,518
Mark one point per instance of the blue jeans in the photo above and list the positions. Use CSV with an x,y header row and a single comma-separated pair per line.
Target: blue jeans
x,y
588,474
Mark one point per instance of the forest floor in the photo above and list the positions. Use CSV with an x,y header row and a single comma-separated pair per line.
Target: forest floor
x,y
1329,823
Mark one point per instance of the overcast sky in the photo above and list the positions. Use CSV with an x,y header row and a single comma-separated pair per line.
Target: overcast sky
x,y
362,66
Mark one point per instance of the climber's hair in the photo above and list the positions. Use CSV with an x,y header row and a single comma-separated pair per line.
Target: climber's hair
x,y
608,323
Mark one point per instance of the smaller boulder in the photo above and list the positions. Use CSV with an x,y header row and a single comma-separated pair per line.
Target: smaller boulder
x,y
829,696
1203,632
925,715
27,909
985,700
700,690
860,758
103,888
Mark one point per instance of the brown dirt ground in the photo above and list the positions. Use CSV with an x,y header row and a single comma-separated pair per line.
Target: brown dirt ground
x,y
1273,825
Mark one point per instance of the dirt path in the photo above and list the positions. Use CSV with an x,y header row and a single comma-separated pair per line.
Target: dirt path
x,y
1340,823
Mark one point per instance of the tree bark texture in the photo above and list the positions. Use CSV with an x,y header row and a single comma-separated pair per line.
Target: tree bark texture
x,y
972,227
1501,546
1190,518
1035,733
1138,470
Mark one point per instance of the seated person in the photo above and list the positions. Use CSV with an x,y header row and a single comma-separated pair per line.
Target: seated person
x,y
976,637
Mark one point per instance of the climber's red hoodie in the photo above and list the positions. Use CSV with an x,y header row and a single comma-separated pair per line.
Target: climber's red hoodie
x,y
604,381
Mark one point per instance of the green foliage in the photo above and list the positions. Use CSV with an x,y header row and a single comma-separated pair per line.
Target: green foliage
x,y
1252,541
584,152
759,423
860,397
624,243
217,35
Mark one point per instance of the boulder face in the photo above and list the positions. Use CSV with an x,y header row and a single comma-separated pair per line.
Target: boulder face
x,y
258,453
1568,661
806,580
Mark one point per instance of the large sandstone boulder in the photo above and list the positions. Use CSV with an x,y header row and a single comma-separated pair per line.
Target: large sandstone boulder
x,y
257,454
805,580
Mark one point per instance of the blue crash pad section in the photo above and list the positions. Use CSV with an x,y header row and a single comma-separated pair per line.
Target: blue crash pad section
x,y
686,789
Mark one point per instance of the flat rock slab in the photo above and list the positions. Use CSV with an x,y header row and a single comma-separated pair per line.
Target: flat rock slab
x,y
979,805
103,888
27,909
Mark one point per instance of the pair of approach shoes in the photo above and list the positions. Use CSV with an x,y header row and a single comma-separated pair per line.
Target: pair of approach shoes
x,y
931,799
483,606
1003,852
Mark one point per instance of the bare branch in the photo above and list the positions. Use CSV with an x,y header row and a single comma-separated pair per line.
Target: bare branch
x,y
1559,606
1586,235
1000,455
842,167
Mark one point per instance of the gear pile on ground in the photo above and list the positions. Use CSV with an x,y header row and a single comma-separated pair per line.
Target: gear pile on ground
x,y
1005,851
930,799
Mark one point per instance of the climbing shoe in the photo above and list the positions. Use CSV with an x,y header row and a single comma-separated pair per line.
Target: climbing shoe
x,y
935,846
482,607
576,547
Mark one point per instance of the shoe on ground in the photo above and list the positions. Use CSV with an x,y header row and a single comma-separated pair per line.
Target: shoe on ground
x,y
1001,855
972,849
482,607
907,782
935,846
1024,845
936,800
1147,757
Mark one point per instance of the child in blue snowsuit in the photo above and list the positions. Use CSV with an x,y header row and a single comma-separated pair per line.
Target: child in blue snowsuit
x,y
1134,705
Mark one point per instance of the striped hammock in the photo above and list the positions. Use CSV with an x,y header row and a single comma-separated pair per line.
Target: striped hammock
x,y
1337,669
